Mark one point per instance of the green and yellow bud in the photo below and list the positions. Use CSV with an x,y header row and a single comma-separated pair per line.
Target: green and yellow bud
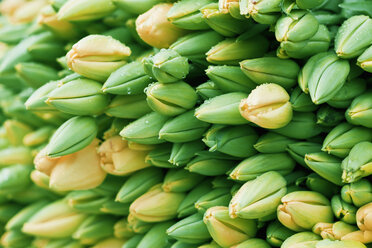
x,y
155,29
262,11
180,181
276,233
86,201
135,6
112,207
137,225
36,102
16,239
226,105
298,150
359,112
301,101
157,236
358,163
55,216
364,237
267,106
364,60
97,56
156,205
272,143
180,244
38,137
15,131
110,243
190,230
357,193
257,243
216,197
171,99
16,155
85,10
343,210
145,130
72,136
133,241
35,74
185,14
15,178
226,231
364,218
123,230
352,38
79,170
128,107
208,90
301,240
316,183
339,244
333,231
297,210
259,164
159,156
230,79
211,163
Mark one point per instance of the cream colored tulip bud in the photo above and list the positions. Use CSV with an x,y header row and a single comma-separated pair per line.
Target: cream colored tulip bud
x,y
364,237
118,159
76,171
267,106
364,217
155,29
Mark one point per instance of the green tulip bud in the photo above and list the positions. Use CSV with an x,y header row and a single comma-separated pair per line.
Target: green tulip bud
x,y
156,237
35,75
167,66
357,193
364,60
212,110
83,10
36,102
15,178
329,117
302,239
298,150
191,230
110,243
258,198
339,244
258,243
272,143
110,206
145,130
15,131
137,225
79,97
180,244
276,233
171,99
343,210
350,90
358,163
134,6
123,230
358,112
208,90
316,183
185,14
352,37
225,230
259,164
182,153
15,238
343,138
86,201
297,210
38,137
89,59
179,181
128,107
263,11
301,102
216,197
133,241
212,244
159,156
156,205
229,140
230,79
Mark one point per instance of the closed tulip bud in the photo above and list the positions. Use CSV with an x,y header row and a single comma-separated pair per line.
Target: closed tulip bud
x,y
167,66
208,90
307,203
258,198
302,239
268,112
357,193
301,102
72,136
364,218
350,90
171,99
216,197
137,225
55,216
258,243
222,182
155,29
352,38
133,241
195,45
185,14
134,6
316,183
182,153
343,138
358,163
89,59
271,70
66,172
128,107
343,210
211,163
156,237
232,51
16,155
212,110
122,229
228,140
138,183
86,201
358,111
127,80
159,156
276,233
38,137
36,102
145,130
187,207
190,230
298,150
112,207
302,126
83,10
180,244
272,143
230,79
118,159
339,244
333,231
263,11
15,131
34,74
364,60
179,181
15,178
79,97
225,230
110,243
364,237
259,164
156,205
329,117
16,238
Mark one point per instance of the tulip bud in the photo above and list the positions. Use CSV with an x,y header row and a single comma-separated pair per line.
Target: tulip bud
x,y
96,56
211,163
135,6
133,241
216,197
272,143
38,137
262,11
258,198
117,159
343,210
155,29
54,216
156,205
307,203
34,74
79,170
156,237
15,131
276,233
122,229
257,243
339,244
301,240
316,183
128,107
301,101
225,230
329,117
358,111
171,99
159,156
208,90
333,231
15,238
267,106
364,60
358,193
15,155
180,181
36,102
110,243
364,218
15,178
